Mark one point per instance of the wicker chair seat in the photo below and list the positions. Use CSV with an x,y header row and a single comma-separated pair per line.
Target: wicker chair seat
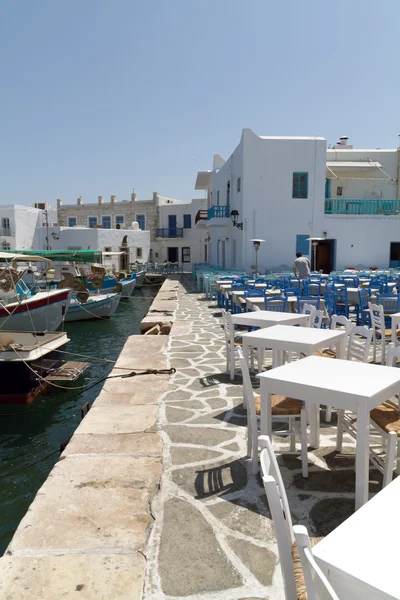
x,y
388,332
387,417
325,353
280,405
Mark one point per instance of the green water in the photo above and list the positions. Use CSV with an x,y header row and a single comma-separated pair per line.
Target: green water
x,y
32,435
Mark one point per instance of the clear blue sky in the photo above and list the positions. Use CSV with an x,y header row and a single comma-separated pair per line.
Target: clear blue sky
x,y
100,96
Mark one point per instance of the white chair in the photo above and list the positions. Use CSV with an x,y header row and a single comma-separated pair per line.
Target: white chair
x,y
317,585
385,424
293,579
282,409
358,348
232,340
381,335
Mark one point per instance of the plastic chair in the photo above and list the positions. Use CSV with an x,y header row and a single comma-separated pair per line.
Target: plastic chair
x,y
341,302
277,304
363,317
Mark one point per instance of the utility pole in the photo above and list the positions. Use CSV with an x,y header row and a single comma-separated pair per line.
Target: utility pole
x,y
47,229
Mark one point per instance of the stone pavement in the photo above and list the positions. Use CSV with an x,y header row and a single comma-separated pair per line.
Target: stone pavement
x,y
213,537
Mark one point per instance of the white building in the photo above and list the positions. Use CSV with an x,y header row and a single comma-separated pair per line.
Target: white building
x,y
287,189
19,225
178,239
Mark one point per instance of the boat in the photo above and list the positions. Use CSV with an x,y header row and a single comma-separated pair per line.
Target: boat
x,y
99,306
140,275
22,311
22,367
110,283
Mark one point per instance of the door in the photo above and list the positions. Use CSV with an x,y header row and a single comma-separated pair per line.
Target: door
x,y
326,256
173,255
223,253
205,253
172,226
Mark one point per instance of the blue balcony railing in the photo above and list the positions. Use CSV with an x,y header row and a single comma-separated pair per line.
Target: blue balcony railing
x,y
219,212
348,206
176,232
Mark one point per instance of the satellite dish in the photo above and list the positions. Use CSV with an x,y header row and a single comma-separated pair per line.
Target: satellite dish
x,y
67,282
97,282
118,288
118,226
82,296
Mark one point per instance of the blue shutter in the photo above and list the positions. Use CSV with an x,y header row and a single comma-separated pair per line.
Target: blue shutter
x,y
302,244
187,221
300,185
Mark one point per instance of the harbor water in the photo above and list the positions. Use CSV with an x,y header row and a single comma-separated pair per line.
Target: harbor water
x,y
29,433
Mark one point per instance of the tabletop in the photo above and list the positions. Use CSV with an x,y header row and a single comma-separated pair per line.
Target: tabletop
x,y
360,557
266,318
349,381
294,338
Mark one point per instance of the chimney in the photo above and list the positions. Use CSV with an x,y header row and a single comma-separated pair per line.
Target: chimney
x,y
100,199
79,200
343,143
113,199
59,202
133,197
155,196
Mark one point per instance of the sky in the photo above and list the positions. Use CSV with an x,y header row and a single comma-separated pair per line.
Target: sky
x,y
98,97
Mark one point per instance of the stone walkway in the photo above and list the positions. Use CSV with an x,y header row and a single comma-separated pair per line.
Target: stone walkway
x,y
213,537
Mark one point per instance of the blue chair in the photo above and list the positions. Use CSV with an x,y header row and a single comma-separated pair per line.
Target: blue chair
x,y
330,305
277,303
391,305
291,292
294,282
363,316
302,300
312,287
341,302
352,282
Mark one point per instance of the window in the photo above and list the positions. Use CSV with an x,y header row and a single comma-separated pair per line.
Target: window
x,y
141,219
339,190
218,198
107,249
5,223
139,252
6,246
92,222
106,221
119,220
238,184
72,221
302,243
228,192
187,221
185,255
300,185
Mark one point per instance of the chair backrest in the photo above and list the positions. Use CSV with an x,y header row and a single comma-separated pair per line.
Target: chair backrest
x,y
308,309
363,298
255,293
341,295
295,282
280,512
228,327
360,339
329,297
277,304
339,321
377,316
313,300
390,303
318,587
312,287
291,291
316,319
248,393
393,355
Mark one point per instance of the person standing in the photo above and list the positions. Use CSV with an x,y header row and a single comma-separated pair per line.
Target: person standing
x,y
301,266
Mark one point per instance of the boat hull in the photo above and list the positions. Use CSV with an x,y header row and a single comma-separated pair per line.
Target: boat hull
x,y
43,312
128,287
140,275
101,306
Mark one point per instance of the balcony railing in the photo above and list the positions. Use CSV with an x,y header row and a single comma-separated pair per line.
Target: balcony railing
x,y
177,232
5,231
348,206
219,212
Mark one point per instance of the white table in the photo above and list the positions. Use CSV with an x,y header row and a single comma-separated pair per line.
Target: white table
x,y
268,318
395,323
349,385
360,557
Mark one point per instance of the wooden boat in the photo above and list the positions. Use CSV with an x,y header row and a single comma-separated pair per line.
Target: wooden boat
x,y
22,365
99,306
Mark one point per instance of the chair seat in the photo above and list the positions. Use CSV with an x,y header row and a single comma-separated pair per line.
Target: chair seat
x,y
280,405
325,353
298,570
388,332
387,417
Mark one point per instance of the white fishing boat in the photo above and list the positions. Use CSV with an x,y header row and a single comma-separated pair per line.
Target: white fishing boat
x,y
21,311
140,275
99,306
22,369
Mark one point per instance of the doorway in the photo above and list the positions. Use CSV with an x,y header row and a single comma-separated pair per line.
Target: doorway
x,y
326,256
205,253
173,255
223,253
172,226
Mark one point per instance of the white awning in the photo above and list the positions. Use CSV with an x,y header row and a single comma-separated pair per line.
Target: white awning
x,y
23,257
112,253
354,165
203,180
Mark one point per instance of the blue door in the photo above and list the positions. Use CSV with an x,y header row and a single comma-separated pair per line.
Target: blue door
x,y
172,225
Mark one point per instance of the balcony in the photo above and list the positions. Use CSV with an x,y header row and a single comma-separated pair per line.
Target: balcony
x,y
348,206
177,232
202,215
219,212
5,231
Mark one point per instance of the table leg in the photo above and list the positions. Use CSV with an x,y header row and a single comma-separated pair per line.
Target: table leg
x,y
246,351
340,347
275,358
265,416
362,457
